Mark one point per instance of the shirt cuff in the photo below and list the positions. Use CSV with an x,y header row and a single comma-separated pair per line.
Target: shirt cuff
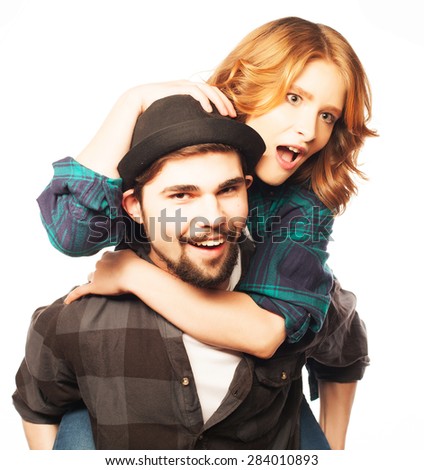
x,y
93,191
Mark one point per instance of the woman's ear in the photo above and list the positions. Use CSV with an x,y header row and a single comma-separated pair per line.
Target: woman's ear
x,y
132,206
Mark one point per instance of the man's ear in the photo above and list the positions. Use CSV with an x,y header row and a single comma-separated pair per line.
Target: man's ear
x,y
132,206
249,181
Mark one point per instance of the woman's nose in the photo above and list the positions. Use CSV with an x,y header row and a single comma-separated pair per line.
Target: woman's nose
x,y
306,125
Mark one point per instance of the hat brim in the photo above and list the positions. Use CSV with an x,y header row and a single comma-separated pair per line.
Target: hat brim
x,y
170,139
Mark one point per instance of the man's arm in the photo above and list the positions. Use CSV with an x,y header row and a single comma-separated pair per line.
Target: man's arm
x,y
336,401
40,436
46,385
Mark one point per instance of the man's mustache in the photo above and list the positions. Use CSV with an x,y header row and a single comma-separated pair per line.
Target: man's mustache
x,y
230,234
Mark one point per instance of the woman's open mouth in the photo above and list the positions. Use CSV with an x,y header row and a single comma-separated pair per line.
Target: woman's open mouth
x,y
288,156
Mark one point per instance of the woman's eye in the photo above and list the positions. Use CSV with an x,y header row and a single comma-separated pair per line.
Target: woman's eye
x,y
328,118
293,98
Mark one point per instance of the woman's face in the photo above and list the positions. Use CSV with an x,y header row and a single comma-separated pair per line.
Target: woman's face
x,y
301,125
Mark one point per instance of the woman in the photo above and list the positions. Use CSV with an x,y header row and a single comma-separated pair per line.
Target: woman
x,y
302,87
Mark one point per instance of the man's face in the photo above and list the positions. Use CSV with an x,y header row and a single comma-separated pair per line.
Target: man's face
x,y
193,212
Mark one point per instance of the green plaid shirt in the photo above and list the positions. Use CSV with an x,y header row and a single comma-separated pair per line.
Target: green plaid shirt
x,y
288,274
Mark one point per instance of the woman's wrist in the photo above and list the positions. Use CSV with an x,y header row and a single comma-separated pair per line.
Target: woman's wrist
x,y
136,275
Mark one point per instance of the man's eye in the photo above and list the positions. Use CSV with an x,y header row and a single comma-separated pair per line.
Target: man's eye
x,y
179,196
230,189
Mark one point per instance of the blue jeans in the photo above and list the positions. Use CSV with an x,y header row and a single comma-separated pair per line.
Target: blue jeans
x,y
75,431
311,435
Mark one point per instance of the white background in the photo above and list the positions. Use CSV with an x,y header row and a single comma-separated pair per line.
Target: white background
x,y
64,63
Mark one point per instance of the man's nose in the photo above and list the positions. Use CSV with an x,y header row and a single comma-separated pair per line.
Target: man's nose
x,y
210,214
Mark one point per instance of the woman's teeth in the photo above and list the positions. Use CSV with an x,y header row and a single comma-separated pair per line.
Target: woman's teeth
x,y
295,152
288,153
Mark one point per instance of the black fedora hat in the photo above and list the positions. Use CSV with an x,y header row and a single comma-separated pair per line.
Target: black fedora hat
x,y
179,121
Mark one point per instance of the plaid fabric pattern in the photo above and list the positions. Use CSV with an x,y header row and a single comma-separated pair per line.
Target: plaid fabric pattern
x,y
288,274
78,204
129,367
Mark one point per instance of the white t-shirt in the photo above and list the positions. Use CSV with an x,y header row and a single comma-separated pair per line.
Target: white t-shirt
x,y
213,368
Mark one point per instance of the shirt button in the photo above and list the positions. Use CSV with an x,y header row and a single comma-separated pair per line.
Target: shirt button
x,y
283,375
185,381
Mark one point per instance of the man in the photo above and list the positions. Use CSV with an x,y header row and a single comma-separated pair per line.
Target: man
x,y
141,378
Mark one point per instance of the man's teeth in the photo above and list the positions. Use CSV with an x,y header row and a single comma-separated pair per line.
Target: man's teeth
x,y
209,243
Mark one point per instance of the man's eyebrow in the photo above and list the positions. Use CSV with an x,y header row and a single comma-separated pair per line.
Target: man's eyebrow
x,y
180,188
232,182
188,188
298,90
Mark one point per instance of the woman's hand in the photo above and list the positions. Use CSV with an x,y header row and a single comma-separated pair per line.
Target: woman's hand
x,y
202,92
113,275
112,141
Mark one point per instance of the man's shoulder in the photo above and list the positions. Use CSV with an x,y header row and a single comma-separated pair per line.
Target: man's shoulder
x,y
90,313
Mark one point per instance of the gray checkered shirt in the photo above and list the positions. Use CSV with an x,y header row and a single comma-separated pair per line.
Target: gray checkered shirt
x,y
129,367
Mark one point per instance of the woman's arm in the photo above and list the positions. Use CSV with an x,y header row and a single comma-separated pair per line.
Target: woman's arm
x,y
227,319
112,141
285,290
80,209
81,206
40,436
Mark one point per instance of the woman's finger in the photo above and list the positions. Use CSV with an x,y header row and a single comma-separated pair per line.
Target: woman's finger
x,y
222,103
78,292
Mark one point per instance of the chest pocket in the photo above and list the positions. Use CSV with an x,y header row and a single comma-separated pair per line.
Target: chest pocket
x,y
278,371
277,385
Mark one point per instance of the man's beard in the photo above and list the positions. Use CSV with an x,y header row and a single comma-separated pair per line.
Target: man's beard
x,y
188,271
